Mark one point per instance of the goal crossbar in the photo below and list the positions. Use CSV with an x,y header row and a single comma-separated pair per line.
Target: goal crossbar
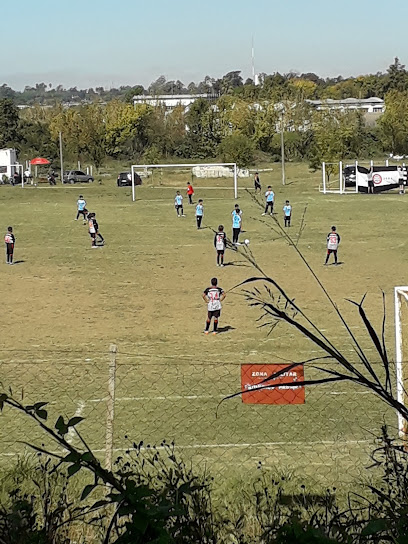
x,y
233,165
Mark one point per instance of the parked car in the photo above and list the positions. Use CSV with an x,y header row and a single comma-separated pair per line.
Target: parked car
x,y
125,179
76,176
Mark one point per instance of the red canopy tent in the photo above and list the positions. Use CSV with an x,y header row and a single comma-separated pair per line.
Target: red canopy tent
x,y
39,161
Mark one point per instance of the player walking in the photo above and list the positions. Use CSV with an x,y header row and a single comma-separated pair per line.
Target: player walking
x,y
220,242
270,197
98,234
257,183
199,213
333,241
178,204
236,225
213,296
234,211
190,193
81,206
92,229
9,240
287,213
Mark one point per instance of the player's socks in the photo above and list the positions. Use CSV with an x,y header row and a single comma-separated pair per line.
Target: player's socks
x,y
215,326
207,325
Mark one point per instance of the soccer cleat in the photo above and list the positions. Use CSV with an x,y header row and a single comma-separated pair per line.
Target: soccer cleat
x,y
178,216
183,215
215,332
221,265
206,332
271,213
264,214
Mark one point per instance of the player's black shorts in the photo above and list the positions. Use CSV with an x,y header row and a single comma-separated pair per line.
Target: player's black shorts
x,y
179,206
220,251
214,313
332,251
9,249
92,235
371,184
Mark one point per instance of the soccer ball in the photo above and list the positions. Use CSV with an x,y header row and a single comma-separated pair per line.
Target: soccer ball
x,y
246,242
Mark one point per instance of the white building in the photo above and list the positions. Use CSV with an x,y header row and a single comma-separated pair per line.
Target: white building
x,y
366,105
8,161
170,101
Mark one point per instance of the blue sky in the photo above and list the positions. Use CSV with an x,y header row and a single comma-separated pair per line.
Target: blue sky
x,y
109,43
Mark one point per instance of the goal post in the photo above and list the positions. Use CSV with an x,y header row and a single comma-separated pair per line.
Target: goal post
x,y
401,352
145,167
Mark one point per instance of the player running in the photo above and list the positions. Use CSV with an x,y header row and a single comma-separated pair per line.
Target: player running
x,y
287,213
236,225
81,207
199,213
190,193
220,242
9,240
333,241
213,296
178,204
270,197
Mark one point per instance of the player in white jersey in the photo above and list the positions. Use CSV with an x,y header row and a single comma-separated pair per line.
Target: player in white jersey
x,y
178,204
287,213
220,242
9,240
213,296
333,241
81,207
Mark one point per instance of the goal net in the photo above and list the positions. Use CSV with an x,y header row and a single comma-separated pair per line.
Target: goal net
x,y
177,175
401,352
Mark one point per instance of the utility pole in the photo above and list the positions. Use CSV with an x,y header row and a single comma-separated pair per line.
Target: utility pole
x,y
61,158
282,153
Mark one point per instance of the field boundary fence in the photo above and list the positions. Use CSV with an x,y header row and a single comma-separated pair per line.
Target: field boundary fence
x,y
126,399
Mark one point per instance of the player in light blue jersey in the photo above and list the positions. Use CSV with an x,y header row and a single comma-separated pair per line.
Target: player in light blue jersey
x,y
199,213
270,197
81,207
236,225
287,213
178,204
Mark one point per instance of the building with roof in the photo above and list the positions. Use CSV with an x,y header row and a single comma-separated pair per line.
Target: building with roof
x,y
170,101
366,105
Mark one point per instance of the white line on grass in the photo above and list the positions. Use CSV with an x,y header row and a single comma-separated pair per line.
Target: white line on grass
x,y
202,397
228,446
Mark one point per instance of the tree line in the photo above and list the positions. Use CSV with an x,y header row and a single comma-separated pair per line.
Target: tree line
x,y
232,128
276,86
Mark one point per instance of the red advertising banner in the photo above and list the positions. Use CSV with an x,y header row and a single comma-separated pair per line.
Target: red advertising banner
x,y
253,374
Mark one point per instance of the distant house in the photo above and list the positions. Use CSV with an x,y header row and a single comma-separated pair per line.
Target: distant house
x,y
366,105
170,101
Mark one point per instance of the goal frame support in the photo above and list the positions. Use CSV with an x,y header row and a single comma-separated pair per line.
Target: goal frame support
x,y
399,356
135,167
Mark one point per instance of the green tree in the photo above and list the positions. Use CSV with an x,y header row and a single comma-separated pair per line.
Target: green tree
x,y
237,148
393,124
10,134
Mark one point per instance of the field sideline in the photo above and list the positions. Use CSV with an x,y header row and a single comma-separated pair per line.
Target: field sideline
x,y
64,303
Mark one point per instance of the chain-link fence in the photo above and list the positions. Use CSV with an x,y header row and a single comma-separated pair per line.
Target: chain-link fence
x,y
128,398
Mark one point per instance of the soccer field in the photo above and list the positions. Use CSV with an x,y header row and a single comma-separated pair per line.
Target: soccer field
x,y
63,303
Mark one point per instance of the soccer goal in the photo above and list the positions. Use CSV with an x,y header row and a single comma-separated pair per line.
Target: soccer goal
x,y
208,170
401,352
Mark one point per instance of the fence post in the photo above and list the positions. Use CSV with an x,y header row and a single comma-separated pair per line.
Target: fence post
x,y
110,414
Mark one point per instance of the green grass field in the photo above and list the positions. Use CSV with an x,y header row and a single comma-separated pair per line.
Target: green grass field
x,y
64,303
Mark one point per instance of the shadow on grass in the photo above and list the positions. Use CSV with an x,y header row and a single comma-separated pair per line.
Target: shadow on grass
x,y
237,263
225,329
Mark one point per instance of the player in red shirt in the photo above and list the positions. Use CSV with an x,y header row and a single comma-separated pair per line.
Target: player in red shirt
x,y
190,193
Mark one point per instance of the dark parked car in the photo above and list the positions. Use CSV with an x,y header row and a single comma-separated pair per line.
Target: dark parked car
x,y
125,179
76,176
